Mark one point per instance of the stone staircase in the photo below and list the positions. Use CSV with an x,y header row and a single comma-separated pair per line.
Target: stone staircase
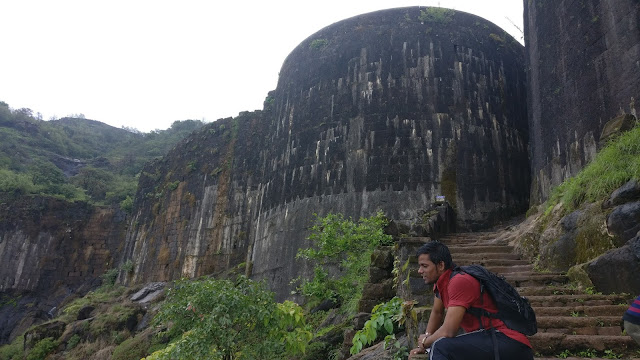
x,y
572,324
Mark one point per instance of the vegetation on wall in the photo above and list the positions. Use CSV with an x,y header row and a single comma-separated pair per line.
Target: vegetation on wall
x,y
617,163
339,242
436,15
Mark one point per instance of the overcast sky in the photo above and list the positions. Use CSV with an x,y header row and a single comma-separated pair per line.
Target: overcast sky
x,y
144,64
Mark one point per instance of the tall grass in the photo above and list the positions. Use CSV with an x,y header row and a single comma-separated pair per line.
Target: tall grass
x,y
617,163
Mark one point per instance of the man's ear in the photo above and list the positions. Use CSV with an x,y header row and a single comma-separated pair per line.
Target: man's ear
x,y
440,266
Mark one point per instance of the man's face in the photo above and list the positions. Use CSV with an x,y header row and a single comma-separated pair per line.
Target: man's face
x,y
429,271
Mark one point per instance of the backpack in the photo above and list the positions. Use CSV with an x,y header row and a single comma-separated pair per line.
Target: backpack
x,y
513,309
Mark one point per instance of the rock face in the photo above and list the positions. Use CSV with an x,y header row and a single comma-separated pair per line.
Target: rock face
x,y
380,111
583,67
50,249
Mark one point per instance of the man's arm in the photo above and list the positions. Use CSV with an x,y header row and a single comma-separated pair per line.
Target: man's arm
x,y
434,324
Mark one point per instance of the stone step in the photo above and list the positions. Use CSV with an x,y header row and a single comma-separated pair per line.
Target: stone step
x,y
494,262
483,257
554,343
535,279
581,310
548,290
480,249
573,322
576,300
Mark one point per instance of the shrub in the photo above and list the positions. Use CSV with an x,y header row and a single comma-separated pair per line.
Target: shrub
x,y
436,15
347,244
317,44
221,319
42,348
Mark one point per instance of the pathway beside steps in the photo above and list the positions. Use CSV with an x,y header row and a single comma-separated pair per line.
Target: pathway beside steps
x,y
572,324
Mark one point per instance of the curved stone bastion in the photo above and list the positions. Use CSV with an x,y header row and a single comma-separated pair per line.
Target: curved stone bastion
x,y
385,110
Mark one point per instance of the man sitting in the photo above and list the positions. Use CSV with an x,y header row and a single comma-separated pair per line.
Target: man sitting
x,y
457,294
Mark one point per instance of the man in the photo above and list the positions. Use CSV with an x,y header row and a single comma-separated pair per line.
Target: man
x,y
457,294
631,319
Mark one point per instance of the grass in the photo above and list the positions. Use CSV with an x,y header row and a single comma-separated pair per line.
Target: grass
x,y
615,164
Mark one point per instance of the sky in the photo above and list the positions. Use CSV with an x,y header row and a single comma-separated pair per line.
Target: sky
x,y
144,64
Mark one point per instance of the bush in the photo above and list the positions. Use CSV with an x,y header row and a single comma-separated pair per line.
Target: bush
x,y
132,348
221,319
42,349
347,244
13,351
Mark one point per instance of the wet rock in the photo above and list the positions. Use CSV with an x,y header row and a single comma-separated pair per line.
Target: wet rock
x,y
617,270
149,292
624,194
624,221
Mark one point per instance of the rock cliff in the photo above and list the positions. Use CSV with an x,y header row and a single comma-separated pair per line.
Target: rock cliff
x,y
50,249
380,111
583,70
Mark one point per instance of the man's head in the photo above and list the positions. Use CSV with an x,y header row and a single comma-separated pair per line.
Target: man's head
x,y
434,259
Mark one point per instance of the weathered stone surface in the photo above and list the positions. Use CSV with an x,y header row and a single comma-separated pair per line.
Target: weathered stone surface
x,y
51,249
628,192
624,221
617,270
616,126
149,292
561,254
85,312
583,72
385,114
53,330
382,258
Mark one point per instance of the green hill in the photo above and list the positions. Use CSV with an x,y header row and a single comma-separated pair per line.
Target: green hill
x,y
77,159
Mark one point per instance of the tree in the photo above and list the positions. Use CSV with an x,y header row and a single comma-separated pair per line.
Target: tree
x,y
222,319
338,241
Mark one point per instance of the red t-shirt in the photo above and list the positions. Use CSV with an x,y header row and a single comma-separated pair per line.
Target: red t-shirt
x,y
464,290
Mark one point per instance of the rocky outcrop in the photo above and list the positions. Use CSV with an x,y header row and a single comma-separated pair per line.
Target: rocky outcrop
x,y
582,61
381,111
51,249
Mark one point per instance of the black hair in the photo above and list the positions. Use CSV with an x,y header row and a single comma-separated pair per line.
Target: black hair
x,y
437,252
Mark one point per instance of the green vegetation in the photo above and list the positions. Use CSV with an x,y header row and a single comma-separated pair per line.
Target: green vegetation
x,y
341,242
13,351
42,349
221,319
78,159
386,320
318,44
614,165
436,15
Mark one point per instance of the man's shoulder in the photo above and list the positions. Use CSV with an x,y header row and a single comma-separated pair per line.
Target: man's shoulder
x,y
463,280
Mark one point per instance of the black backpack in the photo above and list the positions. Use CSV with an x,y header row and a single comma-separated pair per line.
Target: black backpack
x,y
513,309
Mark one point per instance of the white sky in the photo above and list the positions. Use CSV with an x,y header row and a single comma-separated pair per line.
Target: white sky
x,y
147,63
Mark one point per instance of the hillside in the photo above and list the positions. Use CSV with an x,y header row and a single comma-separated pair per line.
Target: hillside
x,y
77,159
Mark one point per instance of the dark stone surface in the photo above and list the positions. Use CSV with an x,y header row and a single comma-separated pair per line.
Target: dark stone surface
x,y
50,250
618,269
616,126
582,71
624,194
624,221
85,312
390,113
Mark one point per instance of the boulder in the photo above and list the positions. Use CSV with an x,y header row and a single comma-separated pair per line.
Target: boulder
x,y
624,194
617,270
149,292
616,126
560,255
624,222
